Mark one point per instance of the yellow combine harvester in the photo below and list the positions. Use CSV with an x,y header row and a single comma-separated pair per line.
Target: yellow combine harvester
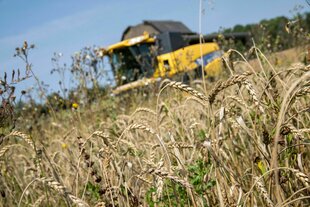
x,y
161,49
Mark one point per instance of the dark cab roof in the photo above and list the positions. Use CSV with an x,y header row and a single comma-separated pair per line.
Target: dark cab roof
x,y
155,27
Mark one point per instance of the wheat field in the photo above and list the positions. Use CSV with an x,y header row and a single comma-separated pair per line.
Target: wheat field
x,y
244,141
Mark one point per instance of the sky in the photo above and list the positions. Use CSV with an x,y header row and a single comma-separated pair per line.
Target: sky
x,y
66,26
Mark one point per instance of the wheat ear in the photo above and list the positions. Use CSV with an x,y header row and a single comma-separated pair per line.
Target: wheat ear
x,y
167,175
39,201
261,188
63,190
229,82
4,150
302,177
25,137
183,87
252,92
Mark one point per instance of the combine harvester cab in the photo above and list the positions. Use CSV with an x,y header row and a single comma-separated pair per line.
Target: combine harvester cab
x,y
155,50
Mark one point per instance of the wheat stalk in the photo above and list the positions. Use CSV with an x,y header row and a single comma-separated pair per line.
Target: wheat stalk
x,y
261,188
296,132
229,82
89,163
238,100
4,150
167,175
106,154
63,190
252,92
302,177
299,131
100,204
39,201
106,138
141,109
142,127
180,145
183,87
25,137
303,91
144,179
159,187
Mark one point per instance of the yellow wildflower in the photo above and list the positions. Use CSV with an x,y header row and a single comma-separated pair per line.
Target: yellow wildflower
x,y
64,146
260,165
75,105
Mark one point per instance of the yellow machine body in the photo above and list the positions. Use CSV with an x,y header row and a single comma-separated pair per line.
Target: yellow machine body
x,y
186,59
167,65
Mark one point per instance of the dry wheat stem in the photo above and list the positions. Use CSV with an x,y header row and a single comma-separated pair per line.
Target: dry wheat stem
x,y
24,191
248,64
297,199
270,65
294,194
284,106
262,176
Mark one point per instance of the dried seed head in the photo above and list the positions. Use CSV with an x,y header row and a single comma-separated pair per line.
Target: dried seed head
x,y
266,137
86,156
25,45
98,179
285,130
